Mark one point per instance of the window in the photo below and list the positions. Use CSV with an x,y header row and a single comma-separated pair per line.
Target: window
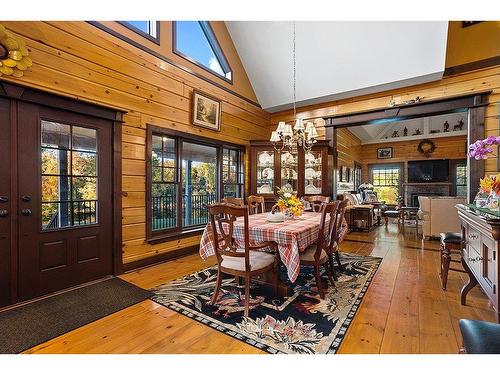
x,y
187,174
196,42
148,29
357,175
232,173
386,180
69,175
461,178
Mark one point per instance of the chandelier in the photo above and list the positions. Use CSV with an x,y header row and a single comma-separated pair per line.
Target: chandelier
x,y
287,138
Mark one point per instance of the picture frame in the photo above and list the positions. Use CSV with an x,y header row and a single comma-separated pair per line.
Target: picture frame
x,y
348,174
339,174
206,110
384,153
343,173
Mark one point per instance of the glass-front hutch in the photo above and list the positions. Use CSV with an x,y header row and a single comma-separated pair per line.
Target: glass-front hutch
x,y
303,173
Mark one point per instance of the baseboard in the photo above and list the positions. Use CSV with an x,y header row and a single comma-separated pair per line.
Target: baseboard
x,y
159,258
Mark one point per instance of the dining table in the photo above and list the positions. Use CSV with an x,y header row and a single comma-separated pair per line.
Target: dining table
x,y
292,237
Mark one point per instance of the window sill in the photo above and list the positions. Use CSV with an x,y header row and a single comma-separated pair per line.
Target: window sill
x,y
165,237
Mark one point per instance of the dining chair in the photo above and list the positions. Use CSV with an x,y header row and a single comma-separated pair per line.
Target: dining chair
x,y
334,249
316,255
240,261
235,201
316,201
254,202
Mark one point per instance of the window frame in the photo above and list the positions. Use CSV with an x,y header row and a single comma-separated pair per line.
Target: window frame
x,y
214,44
154,39
163,235
401,168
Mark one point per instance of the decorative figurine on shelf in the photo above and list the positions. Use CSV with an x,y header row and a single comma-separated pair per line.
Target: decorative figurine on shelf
x,y
446,126
395,134
458,126
417,132
405,131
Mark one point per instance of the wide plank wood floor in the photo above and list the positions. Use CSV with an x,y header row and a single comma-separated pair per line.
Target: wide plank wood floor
x,y
404,311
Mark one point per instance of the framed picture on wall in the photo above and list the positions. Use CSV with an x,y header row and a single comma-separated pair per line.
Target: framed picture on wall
x,y
384,153
344,174
339,174
206,110
348,174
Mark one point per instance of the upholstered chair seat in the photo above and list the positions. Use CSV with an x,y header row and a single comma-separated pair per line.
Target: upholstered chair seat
x,y
308,254
258,260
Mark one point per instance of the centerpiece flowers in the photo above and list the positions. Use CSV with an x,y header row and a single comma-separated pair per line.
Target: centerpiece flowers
x,y
289,204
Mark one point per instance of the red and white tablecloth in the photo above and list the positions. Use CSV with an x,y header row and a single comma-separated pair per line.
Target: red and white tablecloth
x,y
292,237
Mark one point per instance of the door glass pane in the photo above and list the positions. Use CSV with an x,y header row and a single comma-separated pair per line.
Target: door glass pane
x,y
313,173
55,161
265,172
84,139
55,135
69,175
84,188
84,163
289,175
199,182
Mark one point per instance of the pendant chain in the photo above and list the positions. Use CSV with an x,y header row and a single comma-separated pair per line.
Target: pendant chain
x,y
294,75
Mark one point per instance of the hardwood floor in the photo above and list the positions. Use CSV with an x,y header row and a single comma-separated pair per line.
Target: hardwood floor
x,y
404,311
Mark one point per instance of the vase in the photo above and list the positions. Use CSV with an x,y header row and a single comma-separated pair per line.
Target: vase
x,y
288,214
493,202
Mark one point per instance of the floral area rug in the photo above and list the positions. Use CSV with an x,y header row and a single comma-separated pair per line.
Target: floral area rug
x,y
299,323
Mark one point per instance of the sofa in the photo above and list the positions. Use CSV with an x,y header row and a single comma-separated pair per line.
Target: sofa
x,y
438,214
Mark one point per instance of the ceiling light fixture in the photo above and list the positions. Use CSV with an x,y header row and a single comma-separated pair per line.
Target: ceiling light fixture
x,y
286,137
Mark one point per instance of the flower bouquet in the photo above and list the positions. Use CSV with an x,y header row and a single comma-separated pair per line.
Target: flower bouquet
x,y
482,148
490,186
289,204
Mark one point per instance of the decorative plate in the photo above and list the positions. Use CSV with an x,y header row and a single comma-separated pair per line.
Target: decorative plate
x,y
268,173
310,173
265,158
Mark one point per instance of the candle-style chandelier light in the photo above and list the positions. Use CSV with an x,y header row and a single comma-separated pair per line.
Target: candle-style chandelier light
x,y
289,138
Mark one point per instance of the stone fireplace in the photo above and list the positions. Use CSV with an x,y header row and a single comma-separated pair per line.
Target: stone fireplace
x,y
413,190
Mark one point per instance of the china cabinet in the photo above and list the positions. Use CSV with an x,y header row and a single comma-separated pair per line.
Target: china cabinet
x,y
303,173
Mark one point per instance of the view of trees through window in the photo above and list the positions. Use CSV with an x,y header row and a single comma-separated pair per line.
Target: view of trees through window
x,y
197,180
385,180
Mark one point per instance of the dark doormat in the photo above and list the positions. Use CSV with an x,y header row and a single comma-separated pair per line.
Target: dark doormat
x,y
26,326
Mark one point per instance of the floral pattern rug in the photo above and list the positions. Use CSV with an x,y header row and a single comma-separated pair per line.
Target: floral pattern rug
x,y
299,323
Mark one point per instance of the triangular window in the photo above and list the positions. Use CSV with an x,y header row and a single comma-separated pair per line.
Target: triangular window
x,y
196,42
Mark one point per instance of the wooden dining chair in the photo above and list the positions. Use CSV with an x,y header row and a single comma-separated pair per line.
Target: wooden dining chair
x,y
254,202
334,249
235,201
316,255
245,261
316,201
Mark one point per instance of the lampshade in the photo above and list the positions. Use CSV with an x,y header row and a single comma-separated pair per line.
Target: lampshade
x,y
298,125
288,130
281,127
275,137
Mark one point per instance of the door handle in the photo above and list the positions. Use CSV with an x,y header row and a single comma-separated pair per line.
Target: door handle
x,y
26,212
26,198
3,199
4,213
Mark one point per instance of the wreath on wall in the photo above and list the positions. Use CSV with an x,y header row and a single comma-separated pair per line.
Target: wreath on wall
x,y
14,58
426,147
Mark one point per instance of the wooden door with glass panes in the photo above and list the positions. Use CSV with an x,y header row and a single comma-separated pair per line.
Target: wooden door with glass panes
x,y
64,199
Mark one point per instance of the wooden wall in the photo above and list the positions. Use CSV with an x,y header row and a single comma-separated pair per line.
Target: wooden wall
x,y
78,60
349,148
471,44
446,148
466,83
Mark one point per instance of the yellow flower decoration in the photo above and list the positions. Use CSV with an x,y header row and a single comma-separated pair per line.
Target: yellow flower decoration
x,y
14,58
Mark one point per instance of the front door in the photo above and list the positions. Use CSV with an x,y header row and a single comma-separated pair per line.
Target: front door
x,y
6,217
64,199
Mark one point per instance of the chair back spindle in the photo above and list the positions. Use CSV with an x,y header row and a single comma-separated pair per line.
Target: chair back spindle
x,y
254,203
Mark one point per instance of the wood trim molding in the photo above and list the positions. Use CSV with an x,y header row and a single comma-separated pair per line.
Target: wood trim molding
x,y
160,258
403,112
475,65
166,59
35,96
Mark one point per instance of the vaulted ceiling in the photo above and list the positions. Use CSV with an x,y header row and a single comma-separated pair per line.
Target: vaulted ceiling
x,y
337,59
